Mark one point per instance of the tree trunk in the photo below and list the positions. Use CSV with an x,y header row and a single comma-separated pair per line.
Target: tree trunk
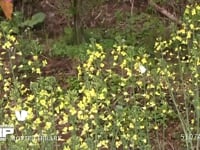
x,y
78,36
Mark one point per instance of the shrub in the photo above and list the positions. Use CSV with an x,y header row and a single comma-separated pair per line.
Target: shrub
x,y
180,57
119,104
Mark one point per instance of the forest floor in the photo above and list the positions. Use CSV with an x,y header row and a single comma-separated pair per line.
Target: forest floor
x,y
61,67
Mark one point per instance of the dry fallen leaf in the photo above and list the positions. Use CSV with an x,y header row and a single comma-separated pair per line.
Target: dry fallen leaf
x,y
7,7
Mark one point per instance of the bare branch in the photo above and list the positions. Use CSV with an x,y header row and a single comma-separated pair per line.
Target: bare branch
x,y
165,12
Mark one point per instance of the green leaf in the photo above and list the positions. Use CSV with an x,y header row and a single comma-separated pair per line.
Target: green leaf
x,y
35,19
38,18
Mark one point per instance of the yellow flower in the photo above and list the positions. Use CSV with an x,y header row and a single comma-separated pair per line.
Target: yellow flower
x,y
99,46
21,128
48,125
102,65
97,54
194,12
38,71
85,129
11,38
5,89
12,57
7,45
37,121
135,137
192,121
187,10
67,148
43,102
71,128
142,127
3,53
33,70
118,48
94,109
155,127
35,57
123,63
114,64
118,144
144,60
151,103
90,93
72,111
44,93
144,140
44,63
84,146
191,26
59,89
182,31
189,34
101,96
30,97
131,125
41,113
139,83
115,57
29,62
30,113
123,53
19,53
81,105
178,38
147,96
103,143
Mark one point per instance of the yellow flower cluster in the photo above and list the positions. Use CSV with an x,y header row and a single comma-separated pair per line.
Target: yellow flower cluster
x,y
178,62
36,103
109,107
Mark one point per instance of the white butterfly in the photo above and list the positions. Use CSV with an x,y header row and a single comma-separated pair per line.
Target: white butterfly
x,y
21,115
142,69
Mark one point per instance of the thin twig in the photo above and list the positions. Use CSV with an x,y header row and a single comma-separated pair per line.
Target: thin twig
x,y
165,12
99,14
132,6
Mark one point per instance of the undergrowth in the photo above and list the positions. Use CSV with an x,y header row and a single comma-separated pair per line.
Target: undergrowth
x,y
121,96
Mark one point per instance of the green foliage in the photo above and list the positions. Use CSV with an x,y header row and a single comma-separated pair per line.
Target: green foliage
x,y
122,94
31,96
144,29
68,36
30,47
19,24
117,96
99,35
60,48
95,33
64,46
179,56
35,20
139,30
